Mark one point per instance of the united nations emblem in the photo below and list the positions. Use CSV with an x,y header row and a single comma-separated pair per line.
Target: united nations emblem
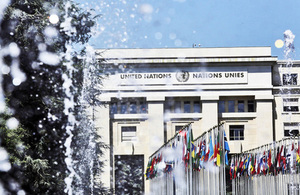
x,y
182,76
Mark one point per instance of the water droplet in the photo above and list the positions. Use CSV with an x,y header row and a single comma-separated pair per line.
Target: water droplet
x,y
54,19
12,123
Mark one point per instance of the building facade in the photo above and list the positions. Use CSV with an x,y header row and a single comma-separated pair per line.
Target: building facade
x,y
149,94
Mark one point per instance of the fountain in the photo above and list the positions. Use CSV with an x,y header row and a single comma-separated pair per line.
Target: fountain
x,y
42,76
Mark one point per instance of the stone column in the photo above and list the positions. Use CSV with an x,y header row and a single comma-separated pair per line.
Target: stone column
x,y
102,122
209,112
155,129
264,122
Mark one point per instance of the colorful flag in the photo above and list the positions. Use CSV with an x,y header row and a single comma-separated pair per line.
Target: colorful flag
x,y
226,148
218,152
231,171
211,150
298,154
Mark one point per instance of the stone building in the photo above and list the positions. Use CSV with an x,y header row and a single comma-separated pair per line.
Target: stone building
x,y
149,94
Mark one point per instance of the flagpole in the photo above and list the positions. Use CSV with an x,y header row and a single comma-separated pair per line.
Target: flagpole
x,y
190,159
224,160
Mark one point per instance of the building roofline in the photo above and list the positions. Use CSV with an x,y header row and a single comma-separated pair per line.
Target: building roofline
x,y
185,53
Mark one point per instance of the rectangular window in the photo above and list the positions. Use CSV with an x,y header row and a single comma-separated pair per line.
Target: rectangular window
x,y
231,106
132,108
241,106
291,129
187,106
236,132
143,108
114,108
128,133
289,79
221,106
177,107
178,128
250,106
124,108
290,105
197,108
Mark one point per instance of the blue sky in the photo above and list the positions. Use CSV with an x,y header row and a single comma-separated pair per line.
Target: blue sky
x,y
181,23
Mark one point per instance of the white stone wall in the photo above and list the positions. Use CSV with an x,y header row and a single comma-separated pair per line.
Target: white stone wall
x,y
257,63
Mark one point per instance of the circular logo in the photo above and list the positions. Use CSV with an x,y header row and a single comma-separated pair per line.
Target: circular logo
x,y
182,76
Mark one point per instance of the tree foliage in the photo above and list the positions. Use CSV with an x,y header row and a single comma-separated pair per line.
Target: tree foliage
x,y
38,102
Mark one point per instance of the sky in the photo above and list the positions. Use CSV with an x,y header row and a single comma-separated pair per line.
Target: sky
x,y
183,23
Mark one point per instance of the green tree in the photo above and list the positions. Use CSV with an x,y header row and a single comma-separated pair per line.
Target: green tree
x,y
38,102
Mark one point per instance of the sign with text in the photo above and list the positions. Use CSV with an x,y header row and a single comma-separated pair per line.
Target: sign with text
x,y
181,77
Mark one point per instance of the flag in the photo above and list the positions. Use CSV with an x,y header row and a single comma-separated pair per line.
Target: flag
x,y
190,137
218,151
258,164
269,160
226,148
279,158
203,150
231,171
211,149
215,152
235,169
298,154
249,165
253,165
193,150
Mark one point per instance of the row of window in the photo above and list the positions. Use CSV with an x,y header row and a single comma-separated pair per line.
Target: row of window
x,y
236,106
129,106
139,106
236,132
183,105
129,133
176,105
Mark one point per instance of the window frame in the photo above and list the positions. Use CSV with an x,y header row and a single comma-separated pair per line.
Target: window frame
x,y
183,105
127,129
293,80
290,106
234,105
129,106
293,126
236,129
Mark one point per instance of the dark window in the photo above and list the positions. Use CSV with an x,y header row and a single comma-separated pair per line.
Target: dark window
x,y
250,106
231,106
289,79
241,106
178,128
291,129
236,132
197,108
221,106
143,108
177,107
128,133
290,105
124,108
114,108
133,108
187,106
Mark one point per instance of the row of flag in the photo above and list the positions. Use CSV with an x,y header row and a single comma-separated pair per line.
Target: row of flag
x,y
183,150
203,154
282,159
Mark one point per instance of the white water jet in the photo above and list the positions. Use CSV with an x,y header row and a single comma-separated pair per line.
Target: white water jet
x,y
289,50
69,99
